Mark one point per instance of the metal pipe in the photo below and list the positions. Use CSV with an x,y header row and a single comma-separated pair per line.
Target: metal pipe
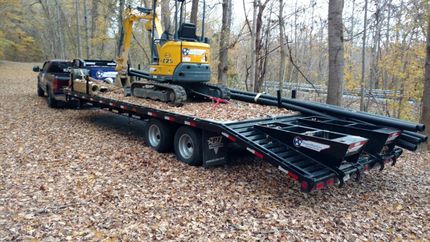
x,y
268,102
294,94
344,113
410,138
406,145
279,97
422,137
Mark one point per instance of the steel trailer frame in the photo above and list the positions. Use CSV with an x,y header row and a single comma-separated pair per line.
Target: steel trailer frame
x,y
311,173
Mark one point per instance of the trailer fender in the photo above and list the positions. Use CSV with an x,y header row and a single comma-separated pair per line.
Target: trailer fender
x,y
214,149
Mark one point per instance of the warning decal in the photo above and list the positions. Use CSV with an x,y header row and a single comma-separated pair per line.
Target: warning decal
x,y
299,142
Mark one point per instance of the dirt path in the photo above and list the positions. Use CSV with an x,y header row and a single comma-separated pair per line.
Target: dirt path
x,y
87,175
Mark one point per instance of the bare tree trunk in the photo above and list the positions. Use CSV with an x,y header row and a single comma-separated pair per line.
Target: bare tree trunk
x,y
147,35
264,59
425,113
78,30
310,52
294,76
224,42
194,11
282,40
336,58
363,59
120,27
253,50
94,17
387,47
374,71
87,40
351,34
59,33
165,9
259,57
50,28
351,41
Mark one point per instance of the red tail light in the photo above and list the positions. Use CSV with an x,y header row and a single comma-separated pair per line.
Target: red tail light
x,y
330,182
304,185
293,176
366,167
55,85
320,185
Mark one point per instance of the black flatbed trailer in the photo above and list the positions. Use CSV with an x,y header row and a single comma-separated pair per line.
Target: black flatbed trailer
x,y
264,138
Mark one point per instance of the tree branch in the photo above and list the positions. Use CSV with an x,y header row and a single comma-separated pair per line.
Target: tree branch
x,y
297,67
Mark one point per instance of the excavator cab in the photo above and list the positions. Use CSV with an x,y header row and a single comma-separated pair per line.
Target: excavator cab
x,y
185,58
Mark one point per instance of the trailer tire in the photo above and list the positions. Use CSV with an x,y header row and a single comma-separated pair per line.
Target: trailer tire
x,y
52,103
40,91
187,146
159,135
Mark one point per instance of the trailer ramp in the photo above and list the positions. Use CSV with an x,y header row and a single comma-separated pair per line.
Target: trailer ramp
x,y
314,156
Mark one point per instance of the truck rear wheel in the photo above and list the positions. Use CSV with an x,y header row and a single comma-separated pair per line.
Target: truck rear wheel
x,y
159,135
52,103
40,91
187,146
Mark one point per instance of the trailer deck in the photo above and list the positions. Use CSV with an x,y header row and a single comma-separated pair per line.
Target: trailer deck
x,y
234,110
265,139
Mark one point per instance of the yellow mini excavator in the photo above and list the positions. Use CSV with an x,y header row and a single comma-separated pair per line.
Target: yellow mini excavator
x,y
179,67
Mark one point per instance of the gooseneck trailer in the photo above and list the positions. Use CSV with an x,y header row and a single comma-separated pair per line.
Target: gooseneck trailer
x,y
319,146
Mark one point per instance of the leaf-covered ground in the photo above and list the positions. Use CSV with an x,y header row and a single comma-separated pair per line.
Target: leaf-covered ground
x,y
87,175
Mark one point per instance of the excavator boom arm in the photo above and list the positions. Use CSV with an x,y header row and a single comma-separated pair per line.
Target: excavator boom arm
x,y
130,17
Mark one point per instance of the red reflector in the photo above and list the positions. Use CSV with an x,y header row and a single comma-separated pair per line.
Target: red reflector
x,y
134,109
259,155
319,185
190,123
330,182
294,176
171,119
304,185
230,137
356,146
393,136
256,153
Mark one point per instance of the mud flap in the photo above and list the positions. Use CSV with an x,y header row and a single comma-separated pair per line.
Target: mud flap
x,y
214,149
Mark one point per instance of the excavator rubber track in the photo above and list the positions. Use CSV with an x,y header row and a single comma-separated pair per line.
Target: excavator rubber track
x,y
225,92
169,93
208,91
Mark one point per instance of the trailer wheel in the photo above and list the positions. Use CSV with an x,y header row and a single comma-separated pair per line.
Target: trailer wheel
x,y
159,135
40,91
52,103
188,146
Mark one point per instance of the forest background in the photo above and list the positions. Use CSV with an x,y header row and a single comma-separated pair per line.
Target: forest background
x,y
260,45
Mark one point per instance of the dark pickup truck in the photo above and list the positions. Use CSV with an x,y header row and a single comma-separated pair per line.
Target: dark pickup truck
x,y
52,77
